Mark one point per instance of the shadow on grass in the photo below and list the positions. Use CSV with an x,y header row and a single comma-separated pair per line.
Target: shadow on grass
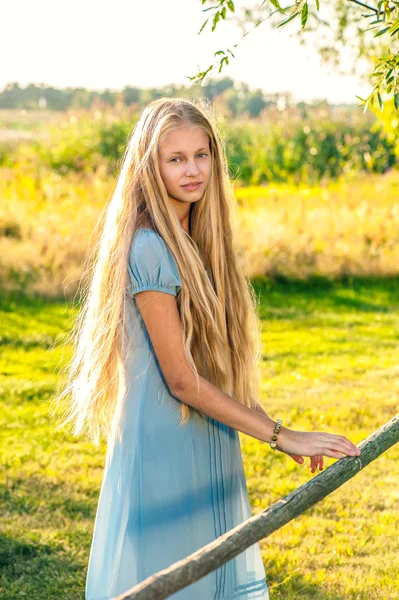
x,y
46,499
29,322
370,290
40,571
317,294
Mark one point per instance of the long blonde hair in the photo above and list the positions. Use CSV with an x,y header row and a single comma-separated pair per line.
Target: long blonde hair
x,y
217,310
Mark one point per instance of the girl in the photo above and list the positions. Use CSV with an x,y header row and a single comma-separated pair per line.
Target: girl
x,y
165,360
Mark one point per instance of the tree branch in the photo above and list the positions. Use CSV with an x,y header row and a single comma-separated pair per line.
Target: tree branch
x,y
374,10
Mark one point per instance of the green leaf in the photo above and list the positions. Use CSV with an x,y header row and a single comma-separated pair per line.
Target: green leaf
x,y
215,20
394,29
381,32
219,52
230,4
288,20
317,4
223,13
203,25
362,99
380,100
304,14
224,59
276,3
396,99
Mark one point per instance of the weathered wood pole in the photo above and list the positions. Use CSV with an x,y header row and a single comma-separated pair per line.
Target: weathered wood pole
x,y
184,572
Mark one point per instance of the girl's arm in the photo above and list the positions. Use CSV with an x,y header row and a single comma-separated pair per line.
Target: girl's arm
x,y
213,402
261,410
162,320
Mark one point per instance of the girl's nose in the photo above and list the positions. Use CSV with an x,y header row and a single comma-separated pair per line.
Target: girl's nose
x,y
192,168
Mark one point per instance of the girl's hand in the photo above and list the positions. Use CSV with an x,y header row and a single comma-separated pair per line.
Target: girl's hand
x,y
315,461
315,445
296,457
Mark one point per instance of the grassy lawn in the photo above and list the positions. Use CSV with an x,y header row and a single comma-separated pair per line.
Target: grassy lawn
x,y
331,362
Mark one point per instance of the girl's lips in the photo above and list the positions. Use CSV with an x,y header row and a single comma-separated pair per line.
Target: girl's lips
x,y
191,187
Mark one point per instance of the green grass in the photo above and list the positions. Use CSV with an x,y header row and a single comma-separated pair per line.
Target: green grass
x,y
330,363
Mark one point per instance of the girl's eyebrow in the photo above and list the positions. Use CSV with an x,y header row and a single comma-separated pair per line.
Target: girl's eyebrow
x,y
180,152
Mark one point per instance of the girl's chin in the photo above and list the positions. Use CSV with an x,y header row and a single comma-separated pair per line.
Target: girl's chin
x,y
191,196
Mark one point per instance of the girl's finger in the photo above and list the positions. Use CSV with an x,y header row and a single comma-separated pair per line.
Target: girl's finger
x,y
339,446
316,462
340,443
333,453
297,458
351,444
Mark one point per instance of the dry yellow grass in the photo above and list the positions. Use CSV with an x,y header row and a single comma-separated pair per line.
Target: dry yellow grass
x,y
348,227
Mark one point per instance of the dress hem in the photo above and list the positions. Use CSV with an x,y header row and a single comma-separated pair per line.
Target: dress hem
x,y
252,588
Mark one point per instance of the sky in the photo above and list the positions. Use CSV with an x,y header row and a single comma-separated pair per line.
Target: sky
x,y
102,44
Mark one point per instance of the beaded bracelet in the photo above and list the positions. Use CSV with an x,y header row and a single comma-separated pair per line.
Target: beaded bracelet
x,y
277,428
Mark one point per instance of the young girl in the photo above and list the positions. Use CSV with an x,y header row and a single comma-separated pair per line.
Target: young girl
x,y
165,360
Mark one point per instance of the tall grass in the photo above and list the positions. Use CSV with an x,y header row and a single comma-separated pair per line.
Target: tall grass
x,y
344,228
341,228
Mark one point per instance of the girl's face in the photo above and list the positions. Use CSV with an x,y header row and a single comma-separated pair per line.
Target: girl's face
x,y
184,160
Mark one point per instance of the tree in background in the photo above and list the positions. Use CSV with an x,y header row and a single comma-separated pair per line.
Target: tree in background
x,y
369,30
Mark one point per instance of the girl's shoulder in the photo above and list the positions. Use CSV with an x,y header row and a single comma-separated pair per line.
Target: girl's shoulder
x,y
151,263
146,230
146,239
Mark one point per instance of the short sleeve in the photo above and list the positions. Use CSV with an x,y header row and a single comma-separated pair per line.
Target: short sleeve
x,y
151,264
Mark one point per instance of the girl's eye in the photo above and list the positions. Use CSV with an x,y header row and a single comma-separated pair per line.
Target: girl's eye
x,y
176,158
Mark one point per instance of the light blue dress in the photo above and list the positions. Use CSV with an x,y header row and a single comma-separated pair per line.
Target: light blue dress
x,y
167,490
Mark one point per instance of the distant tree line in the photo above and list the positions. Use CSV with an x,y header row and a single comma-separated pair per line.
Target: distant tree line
x,y
237,98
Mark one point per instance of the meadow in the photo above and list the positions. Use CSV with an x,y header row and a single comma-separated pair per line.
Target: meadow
x,y
321,201
330,363
340,228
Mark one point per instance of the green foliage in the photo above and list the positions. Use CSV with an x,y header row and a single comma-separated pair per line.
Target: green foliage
x,y
309,150
389,123
83,141
279,146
